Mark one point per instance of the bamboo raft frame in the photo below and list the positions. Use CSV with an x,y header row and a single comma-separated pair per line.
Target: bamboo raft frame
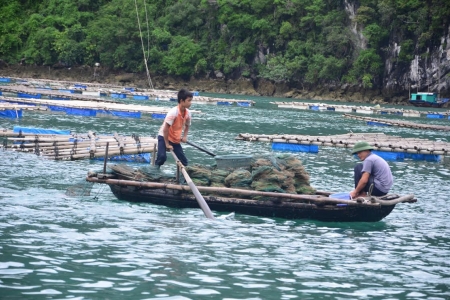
x,y
380,141
10,106
166,95
357,109
162,95
83,146
106,106
61,83
399,123
71,96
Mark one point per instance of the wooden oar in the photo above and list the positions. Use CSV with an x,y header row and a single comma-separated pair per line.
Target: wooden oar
x,y
200,148
203,205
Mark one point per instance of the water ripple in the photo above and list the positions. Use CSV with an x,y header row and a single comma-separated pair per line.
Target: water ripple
x,y
97,247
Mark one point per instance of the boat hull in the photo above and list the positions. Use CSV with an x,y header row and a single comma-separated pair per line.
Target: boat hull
x,y
427,104
264,208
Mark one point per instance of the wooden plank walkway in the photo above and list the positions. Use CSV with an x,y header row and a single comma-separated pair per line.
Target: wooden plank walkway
x,y
399,123
379,141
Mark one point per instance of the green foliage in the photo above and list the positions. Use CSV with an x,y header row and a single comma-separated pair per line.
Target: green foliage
x,y
275,69
11,29
387,11
286,29
406,51
367,81
302,40
322,69
375,34
183,58
367,66
365,15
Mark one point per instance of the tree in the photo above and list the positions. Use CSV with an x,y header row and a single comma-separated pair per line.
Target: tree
x,y
183,58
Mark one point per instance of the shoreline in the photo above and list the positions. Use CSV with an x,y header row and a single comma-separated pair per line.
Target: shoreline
x,y
241,86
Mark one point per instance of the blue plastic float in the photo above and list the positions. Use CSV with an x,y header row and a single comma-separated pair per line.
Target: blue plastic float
x,y
387,155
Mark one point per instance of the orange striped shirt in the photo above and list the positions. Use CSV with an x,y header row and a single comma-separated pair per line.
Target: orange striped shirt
x,y
177,122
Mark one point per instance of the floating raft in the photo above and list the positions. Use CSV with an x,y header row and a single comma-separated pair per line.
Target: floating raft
x,y
390,147
63,90
92,109
59,83
385,122
361,109
41,93
167,95
223,101
12,111
63,145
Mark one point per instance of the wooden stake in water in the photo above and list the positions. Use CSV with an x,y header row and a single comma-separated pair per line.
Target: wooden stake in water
x,y
106,158
154,154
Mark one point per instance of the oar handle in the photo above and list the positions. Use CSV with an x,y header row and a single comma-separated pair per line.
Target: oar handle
x,y
203,205
200,148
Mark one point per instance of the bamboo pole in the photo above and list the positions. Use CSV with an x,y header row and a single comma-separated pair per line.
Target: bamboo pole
x,y
79,140
75,146
38,140
129,150
154,154
62,145
106,158
135,148
96,155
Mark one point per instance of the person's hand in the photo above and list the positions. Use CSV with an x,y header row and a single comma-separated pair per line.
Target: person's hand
x,y
169,147
184,139
353,194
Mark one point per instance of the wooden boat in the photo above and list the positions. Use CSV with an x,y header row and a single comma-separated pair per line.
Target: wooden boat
x,y
319,207
427,100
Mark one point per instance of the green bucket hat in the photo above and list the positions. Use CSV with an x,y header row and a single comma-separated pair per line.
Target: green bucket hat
x,y
361,146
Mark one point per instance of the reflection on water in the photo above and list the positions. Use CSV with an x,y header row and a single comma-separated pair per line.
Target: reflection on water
x,y
55,247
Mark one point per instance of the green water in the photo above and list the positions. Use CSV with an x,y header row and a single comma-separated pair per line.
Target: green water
x,y
57,247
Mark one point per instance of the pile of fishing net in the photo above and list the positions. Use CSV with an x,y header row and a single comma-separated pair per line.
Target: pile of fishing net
x,y
282,173
147,173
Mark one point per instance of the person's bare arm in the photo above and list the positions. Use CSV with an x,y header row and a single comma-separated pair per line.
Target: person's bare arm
x,y
185,134
166,136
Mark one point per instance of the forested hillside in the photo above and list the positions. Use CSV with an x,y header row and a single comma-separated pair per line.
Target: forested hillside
x,y
374,44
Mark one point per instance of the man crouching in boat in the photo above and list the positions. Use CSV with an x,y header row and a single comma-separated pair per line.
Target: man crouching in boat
x,y
373,170
174,129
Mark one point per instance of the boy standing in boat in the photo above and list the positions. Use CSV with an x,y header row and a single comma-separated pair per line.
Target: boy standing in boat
x,y
174,129
373,170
